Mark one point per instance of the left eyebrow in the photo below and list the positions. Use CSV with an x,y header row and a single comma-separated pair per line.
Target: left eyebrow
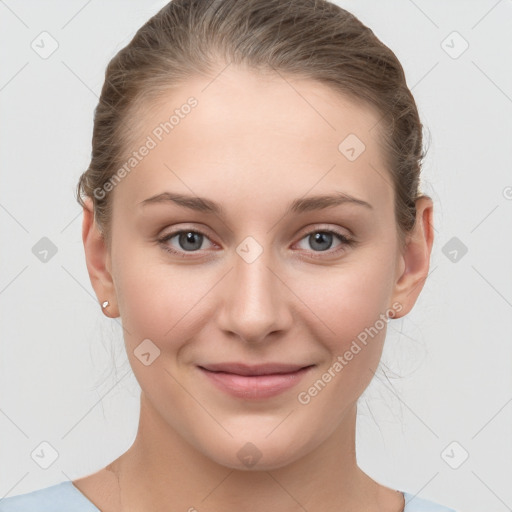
x,y
321,202
301,205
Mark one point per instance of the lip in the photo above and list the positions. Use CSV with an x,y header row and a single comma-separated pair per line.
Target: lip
x,y
254,382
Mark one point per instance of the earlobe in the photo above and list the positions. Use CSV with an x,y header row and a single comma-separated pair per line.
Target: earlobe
x,y
416,257
97,259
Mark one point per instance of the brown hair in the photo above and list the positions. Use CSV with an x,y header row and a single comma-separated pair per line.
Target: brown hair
x,y
312,39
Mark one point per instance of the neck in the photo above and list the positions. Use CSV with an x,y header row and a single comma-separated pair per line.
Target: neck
x,y
162,471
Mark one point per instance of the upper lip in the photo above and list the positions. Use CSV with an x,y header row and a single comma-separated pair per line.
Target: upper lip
x,y
260,369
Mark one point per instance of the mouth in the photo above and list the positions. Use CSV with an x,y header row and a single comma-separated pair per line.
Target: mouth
x,y
254,382
255,370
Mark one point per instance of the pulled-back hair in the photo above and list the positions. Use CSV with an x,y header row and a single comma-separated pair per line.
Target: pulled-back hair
x,y
312,39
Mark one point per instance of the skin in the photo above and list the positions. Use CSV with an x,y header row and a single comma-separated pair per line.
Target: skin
x,y
253,144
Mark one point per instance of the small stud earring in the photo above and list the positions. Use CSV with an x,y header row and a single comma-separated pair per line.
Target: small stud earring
x,y
105,304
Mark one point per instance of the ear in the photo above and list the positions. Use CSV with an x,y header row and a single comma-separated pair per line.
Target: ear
x,y
415,258
97,257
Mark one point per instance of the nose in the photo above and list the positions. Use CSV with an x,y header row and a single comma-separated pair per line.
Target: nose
x,y
254,300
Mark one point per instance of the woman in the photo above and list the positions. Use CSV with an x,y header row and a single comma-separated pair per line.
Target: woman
x,y
280,140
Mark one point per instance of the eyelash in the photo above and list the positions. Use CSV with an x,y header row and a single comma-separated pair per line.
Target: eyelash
x,y
345,242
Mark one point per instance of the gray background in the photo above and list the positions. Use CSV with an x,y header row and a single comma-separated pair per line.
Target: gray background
x,y
64,377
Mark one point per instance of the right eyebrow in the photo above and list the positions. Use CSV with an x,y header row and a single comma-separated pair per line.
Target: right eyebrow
x,y
199,204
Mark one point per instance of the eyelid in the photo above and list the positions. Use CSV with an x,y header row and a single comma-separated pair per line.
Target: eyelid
x,y
325,227
176,229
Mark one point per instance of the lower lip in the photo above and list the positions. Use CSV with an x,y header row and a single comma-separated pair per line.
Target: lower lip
x,y
255,386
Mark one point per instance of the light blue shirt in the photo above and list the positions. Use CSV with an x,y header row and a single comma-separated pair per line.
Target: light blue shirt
x,y
65,497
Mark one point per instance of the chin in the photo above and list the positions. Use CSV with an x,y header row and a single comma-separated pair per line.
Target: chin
x,y
260,454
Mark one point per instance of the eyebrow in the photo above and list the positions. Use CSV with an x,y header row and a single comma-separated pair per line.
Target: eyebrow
x,y
301,205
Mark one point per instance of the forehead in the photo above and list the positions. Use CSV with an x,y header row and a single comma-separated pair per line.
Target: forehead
x,y
250,132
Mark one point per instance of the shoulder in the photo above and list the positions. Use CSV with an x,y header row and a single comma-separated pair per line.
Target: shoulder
x,y
60,497
416,504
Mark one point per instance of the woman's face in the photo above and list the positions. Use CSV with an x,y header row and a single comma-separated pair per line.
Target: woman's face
x,y
262,278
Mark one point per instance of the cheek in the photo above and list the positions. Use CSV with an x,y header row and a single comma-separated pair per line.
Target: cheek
x,y
158,300
349,325
140,301
347,303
